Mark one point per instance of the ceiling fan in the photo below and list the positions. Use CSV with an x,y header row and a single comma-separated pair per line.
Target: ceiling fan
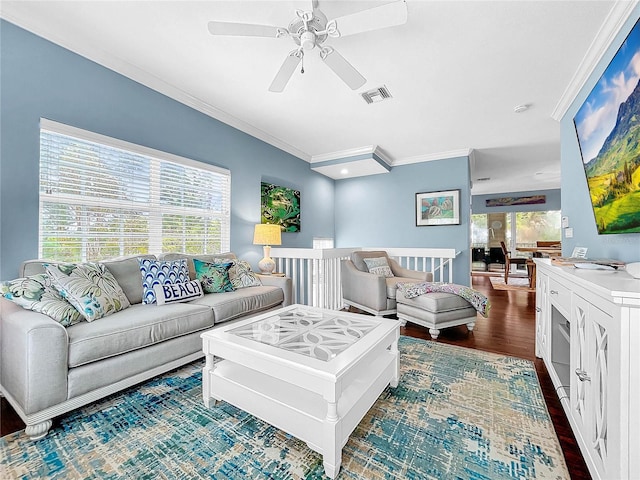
x,y
310,29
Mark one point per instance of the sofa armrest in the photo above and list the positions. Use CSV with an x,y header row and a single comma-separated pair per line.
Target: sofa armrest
x,y
284,283
363,288
400,271
33,357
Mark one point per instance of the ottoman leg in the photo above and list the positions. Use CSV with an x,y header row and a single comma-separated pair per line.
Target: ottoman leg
x,y
434,332
470,326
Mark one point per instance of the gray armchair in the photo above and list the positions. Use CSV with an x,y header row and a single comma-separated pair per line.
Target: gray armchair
x,y
372,293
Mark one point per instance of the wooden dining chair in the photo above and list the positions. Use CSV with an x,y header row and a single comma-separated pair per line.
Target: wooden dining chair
x,y
508,261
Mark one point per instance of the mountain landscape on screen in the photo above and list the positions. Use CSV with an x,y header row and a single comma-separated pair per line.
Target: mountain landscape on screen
x,y
614,175
608,132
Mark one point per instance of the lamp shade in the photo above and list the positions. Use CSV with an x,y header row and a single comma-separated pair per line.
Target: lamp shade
x,y
267,234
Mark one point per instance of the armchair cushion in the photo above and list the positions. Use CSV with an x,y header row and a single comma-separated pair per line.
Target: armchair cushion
x,y
358,258
378,266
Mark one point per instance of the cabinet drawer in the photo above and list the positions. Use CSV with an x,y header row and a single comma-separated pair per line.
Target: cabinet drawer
x,y
560,297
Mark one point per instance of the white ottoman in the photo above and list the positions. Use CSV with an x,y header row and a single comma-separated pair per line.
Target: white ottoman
x,y
436,310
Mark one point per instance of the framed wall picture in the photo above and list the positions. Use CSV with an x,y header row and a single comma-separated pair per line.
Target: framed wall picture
x,y
438,208
280,206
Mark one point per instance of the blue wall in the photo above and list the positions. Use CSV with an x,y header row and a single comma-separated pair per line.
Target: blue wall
x,y
553,202
379,210
40,79
575,194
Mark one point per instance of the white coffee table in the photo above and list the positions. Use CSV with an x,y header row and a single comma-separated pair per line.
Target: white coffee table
x,y
311,372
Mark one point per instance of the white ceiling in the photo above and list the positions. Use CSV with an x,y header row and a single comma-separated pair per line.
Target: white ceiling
x,y
456,71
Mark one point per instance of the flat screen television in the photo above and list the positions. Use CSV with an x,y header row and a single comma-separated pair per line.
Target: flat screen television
x,y
608,130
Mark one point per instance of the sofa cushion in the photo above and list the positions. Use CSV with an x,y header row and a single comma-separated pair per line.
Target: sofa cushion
x,y
89,287
161,272
136,327
178,292
231,305
126,271
38,294
213,258
213,276
241,275
33,267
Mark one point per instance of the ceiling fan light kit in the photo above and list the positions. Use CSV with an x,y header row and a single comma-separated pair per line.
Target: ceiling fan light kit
x,y
310,29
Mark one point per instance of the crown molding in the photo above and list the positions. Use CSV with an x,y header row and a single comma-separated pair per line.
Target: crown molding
x,y
144,78
350,152
463,152
374,150
382,155
618,15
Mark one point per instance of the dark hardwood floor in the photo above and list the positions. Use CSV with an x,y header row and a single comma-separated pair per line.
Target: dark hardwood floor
x,y
509,330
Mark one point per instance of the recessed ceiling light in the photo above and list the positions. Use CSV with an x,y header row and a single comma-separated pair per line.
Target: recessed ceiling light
x,y
483,179
521,108
344,171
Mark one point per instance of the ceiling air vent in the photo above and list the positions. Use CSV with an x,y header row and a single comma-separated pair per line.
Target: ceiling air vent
x,y
376,95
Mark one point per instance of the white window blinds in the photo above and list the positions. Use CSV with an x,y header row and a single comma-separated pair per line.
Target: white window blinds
x,y
101,198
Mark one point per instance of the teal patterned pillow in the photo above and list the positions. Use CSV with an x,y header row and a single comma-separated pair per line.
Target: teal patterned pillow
x,y
89,287
213,276
241,275
38,294
378,266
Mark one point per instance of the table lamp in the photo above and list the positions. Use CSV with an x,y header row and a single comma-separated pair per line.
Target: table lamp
x,y
267,235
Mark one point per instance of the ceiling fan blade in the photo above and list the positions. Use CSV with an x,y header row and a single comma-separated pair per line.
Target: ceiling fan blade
x,y
384,16
243,29
342,68
286,70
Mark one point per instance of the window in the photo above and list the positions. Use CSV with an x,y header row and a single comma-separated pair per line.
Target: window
x,y
101,197
479,231
535,226
516,229
321,242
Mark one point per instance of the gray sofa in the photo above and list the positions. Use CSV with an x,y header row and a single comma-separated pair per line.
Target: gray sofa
x,y
47,370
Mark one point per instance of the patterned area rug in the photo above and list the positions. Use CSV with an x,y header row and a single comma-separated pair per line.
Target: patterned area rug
x,y
457,413
515,283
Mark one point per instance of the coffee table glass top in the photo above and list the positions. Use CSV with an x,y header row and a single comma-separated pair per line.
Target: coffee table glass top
x,y
316,334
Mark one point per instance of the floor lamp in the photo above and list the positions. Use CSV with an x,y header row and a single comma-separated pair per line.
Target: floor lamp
x,y
267,234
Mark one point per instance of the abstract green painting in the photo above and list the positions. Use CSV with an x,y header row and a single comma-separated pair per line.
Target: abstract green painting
x,y
280,206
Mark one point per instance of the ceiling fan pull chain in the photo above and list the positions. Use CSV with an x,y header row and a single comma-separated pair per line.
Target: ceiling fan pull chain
x,y
302,64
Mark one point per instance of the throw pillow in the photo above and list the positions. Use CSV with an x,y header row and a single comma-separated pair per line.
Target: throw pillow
x,y
89,287
161,272
213,276
38,294
178,292
378,266
241,275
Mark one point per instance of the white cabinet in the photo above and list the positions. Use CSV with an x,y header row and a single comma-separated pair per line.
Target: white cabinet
x,y
595,390
592,352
